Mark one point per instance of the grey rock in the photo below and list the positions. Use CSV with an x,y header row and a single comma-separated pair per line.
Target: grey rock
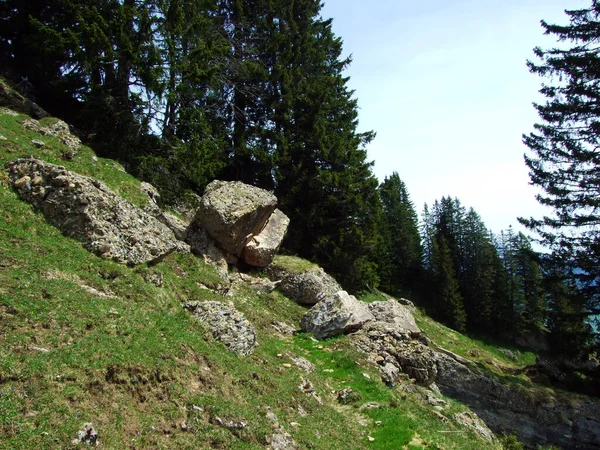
x,y
233,212
262,248
336,314
281,440
87,210
396,314
305,288
175,224
347,396
226,324
201,244
470,420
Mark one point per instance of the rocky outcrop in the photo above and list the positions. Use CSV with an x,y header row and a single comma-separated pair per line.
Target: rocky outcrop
x,y
204,246
305,288
226,324
262,248
58,129
336,314
90,212
15,101
537,417
233,212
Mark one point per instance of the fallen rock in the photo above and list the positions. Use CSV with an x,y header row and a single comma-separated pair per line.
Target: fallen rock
x,y
305,288
347,396
226,324
87,210
262,248
396,314
336,314
387,348
233,212
470,420
87,435
201,244
10,98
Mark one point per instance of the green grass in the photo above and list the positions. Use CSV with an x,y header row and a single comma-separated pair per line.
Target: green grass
x,y
293,263
83,339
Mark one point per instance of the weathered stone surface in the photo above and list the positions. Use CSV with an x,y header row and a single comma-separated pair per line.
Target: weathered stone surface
x,y
59,128
226,324
305,288
203,245
336,314
396,314
262,248
233,212
470,420
555,420
90,212
385,344
15,101
175,224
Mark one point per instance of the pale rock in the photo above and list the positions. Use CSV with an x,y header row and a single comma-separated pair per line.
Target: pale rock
x,y
336,314
396,314
233,212
87,210
305,288
262,248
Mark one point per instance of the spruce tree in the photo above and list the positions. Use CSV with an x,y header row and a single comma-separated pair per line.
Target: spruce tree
x,y
400,255
564,160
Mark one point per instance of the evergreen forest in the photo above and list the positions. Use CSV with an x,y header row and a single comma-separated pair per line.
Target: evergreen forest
x,y
183,92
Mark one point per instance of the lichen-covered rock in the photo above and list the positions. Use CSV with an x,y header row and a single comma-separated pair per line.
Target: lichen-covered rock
x,y
226,324
87,210
396,314
262,248
470,420
386,345
336,314
305,288
233,212
201,244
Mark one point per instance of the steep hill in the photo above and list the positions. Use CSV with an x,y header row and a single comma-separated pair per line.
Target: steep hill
x,y
87,340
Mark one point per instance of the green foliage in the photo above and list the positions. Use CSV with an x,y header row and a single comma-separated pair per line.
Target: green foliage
x,y
563,158
400,253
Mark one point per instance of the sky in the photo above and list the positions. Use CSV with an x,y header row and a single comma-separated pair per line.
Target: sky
x,y
445,86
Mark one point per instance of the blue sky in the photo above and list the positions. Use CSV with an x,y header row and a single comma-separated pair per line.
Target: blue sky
x,y
445,86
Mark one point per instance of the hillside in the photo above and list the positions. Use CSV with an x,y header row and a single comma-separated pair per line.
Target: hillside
x,y
87,340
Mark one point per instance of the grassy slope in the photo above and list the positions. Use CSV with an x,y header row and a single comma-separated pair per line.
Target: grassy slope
x,y
129,359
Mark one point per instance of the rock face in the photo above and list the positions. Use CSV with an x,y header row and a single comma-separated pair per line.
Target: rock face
x,y
233,212
568,423
304,288
90,212
336,314
396,314
226,324
262,248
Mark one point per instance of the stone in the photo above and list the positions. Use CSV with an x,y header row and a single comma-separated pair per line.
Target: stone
x,y
281,440
178,226
336,314
233,212
202,245
303,363
226,324
10,98
305,288
347,396
87,435
87,210
396,314
154,199
262,248
470,420
37,143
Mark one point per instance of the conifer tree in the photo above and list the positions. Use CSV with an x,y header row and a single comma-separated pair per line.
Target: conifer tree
x,y
400,255
564,159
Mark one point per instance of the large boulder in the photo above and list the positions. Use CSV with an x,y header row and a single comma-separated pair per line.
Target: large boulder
x,y
262,248
87,210
233,212
306,286
336,314
396,314
226,324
